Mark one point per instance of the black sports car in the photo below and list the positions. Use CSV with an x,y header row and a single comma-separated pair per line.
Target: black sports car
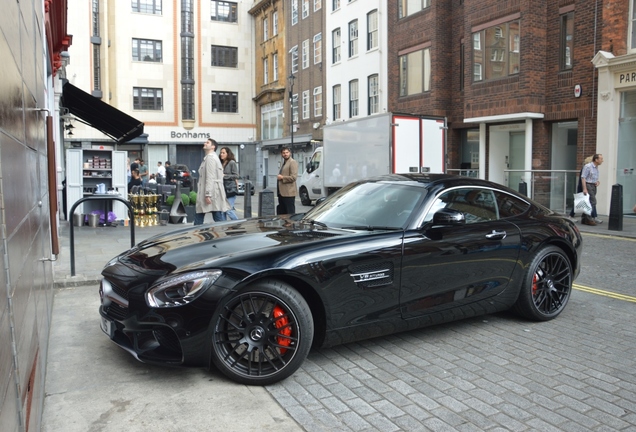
x,y
380,256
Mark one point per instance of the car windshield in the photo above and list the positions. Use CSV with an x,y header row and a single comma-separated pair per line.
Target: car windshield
x,y
380,205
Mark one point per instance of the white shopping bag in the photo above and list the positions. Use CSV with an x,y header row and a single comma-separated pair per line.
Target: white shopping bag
x,y
582,203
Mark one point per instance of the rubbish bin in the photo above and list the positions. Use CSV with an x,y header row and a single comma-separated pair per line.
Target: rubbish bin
x,y
78,219
93,220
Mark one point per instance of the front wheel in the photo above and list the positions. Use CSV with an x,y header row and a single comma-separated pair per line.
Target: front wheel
x,y
262,334
304,197
547,285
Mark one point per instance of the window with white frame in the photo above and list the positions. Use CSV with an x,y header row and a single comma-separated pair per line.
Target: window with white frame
x,y
336,97
265,29
336,42
294,12
567,41
305,54
374,95
335,5
294,59
318,48
477,76
372,30
295,108
305,104
265,70
415,72
275,67
272,120
317,5
305,8
499,54
632,23
318,101
223,11
353,98
353,38
275,23
410,7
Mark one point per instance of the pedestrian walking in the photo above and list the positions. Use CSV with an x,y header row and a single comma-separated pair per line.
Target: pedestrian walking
x,y
230,177
590,184
579,185
210,187
287,184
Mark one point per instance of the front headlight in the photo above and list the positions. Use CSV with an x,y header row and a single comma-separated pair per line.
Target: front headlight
x,y
180,290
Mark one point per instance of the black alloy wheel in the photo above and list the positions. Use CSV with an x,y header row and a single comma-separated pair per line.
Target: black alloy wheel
x,y
547,285
262,334
304,197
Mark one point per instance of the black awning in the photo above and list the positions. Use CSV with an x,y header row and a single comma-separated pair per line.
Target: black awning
x,y
109,120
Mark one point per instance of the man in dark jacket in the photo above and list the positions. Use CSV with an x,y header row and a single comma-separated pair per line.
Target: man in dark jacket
x,y
169,173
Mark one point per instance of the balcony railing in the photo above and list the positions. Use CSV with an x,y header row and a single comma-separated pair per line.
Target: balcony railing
x,y
553,188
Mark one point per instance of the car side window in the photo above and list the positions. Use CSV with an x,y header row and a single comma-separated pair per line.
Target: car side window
x,y
510,205
478,205
314,163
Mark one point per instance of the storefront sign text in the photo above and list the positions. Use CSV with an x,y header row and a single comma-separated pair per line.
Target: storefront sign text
x,y
196,135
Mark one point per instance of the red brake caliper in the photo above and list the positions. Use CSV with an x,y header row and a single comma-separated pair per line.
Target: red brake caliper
x,y
281,321
535,286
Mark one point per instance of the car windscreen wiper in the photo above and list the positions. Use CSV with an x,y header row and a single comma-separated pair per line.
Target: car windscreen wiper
x,y
371,228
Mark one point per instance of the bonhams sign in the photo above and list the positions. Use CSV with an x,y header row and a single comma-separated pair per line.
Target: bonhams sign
x,y
189,135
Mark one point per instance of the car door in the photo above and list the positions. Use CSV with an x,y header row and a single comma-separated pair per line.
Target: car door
x,y
450,266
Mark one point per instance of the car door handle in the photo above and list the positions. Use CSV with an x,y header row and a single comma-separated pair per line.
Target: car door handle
x,y
496,235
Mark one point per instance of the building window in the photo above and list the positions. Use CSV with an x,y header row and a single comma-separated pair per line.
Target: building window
x,y
335,38
295,108
353,98
372,30
294,12
275,23
187,59
265,29
317,5
224,11
477,76
272,120
497,50
335,5
567,41
305,53
294,59
187,101
275,67
147,6
353,38
305,8
633,23
265,71
374,95
146,50
305,104
318,48
224,102
410,7
224,56
337,92
147,98
318,101
415,72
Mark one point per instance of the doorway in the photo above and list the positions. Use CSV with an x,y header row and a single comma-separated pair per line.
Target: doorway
x,y
626,152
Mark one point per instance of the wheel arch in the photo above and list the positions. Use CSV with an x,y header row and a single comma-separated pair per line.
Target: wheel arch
x,y
567,250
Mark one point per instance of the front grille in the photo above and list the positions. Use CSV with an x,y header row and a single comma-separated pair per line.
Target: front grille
x,y
116,311
120,291
168,339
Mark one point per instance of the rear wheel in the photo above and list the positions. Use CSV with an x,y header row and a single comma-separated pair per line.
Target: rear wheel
x,y
262,334
547,285
304,197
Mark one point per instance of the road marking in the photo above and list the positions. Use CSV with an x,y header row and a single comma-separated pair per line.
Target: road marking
x,y
600,292
609,236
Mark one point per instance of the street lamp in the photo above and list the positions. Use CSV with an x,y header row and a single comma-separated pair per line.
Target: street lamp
x,y
291,109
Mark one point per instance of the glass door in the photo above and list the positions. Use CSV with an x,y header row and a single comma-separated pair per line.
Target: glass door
x,y
626,157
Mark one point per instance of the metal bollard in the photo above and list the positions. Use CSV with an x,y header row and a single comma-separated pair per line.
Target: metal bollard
x,y
247,202
616,209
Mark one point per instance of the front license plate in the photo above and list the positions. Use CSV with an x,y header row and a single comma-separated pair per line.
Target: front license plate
x,y
107,327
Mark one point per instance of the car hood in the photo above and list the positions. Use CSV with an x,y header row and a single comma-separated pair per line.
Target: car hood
x,y
243,245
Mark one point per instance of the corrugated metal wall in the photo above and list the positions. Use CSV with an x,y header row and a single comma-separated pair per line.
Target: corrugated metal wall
x,y
26,281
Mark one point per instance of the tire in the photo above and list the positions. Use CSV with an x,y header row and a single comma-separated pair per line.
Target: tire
x,y
546,287
262,334
304,197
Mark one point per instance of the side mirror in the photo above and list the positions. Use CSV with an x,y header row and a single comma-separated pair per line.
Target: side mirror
x,y
309,167
449,217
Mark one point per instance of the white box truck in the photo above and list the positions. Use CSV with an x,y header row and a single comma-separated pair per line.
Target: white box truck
x,y
371,146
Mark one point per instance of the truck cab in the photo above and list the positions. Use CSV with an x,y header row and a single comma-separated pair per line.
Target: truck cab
x,y
311,184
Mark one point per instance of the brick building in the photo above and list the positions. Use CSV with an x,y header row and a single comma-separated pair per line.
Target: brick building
x,y
515,80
